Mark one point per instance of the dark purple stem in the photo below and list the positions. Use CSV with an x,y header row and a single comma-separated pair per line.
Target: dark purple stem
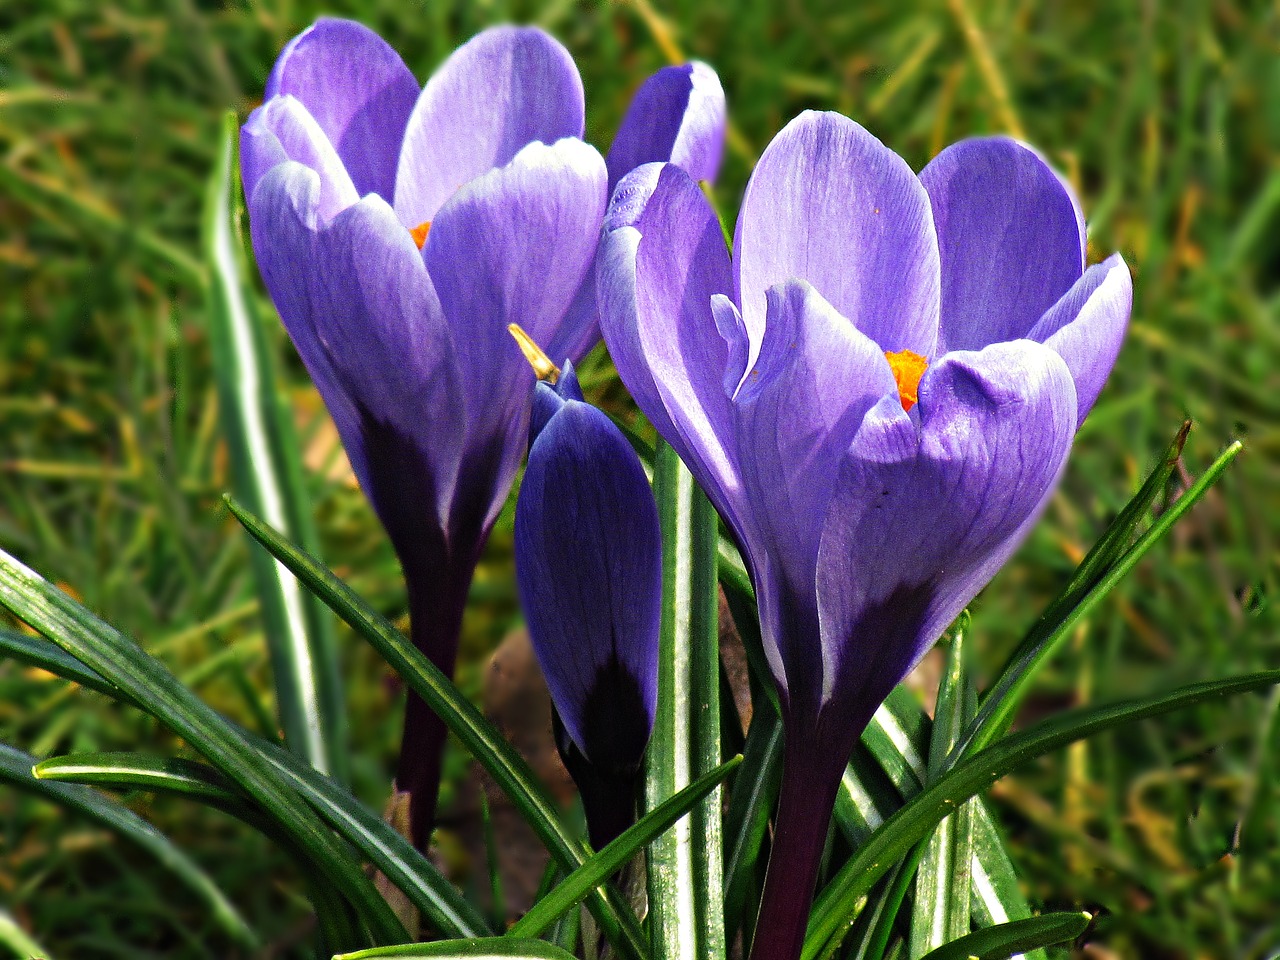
x,y
435,620
810,780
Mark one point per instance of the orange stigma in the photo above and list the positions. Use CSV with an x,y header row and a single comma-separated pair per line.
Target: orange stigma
x,y
907,369
419,233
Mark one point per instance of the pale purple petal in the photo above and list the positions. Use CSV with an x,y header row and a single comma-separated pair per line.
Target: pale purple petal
x,y
282,129
283,221
830,204
1086,327
1011,236
662,260
513,246
798,407
359,91
505,88
925,512
677,116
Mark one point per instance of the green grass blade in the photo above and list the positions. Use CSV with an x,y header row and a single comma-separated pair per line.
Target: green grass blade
x,y
686,879
1105,568
267,476
508,769
15,769
417,877
150,685
493,948
839,900
751,803
136,771
45,654
17,942
1009,939
441,905
941,910
575,887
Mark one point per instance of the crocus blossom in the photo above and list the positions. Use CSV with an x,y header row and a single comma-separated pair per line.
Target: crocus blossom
x,y
878,392
399,231
589,567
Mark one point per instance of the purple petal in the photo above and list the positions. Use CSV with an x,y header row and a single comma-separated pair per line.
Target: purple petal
x,y
513,247
359,91
798,408
1086,327
589,565
282,223
1011,236
677,116
661,262
830,204
503,89
923,515
282,129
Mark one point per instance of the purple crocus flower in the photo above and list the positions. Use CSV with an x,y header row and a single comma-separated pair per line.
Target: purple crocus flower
x,y
589,566
878,393
399,231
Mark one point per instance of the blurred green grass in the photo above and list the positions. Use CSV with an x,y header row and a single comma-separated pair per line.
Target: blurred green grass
x,y
1163,115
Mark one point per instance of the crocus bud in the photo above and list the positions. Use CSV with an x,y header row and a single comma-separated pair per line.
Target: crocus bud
x,y
589,566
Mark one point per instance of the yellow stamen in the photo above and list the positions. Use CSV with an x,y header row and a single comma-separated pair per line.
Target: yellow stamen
x,y
907,369
543,368
419,233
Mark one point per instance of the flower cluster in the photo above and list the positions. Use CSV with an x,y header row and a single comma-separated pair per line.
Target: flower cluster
x,y
400,230
877,387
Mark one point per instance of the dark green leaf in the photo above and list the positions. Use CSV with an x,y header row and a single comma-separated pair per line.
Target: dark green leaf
x,y
485,743
266,469
15,769
149,685
686,874
1007,939
839,901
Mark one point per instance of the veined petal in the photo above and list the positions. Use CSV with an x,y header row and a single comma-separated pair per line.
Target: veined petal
x,y
923,515
359,91
589,565
361,310
830,204
380,321
1011,236
282,224
505,88
513,247
677,116
1086,327
282,129
798,409
662,261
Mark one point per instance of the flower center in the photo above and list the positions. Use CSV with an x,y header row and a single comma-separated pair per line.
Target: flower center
x,y
419,233
907,369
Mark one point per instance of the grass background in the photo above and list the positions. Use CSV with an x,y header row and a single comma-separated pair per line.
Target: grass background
x,y
1163,115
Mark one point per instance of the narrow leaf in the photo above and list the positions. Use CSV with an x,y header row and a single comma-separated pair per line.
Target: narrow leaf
x,y
941,909
149,685
575,887
17,941
686,894
492,948
267,476
15,769
1001,702
839,900
439,901
508,769
1008,939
